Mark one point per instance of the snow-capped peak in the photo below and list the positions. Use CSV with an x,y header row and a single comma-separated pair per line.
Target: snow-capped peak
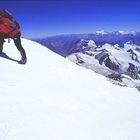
x,y
91,43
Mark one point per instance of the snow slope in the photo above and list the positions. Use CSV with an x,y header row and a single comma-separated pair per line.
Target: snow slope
x,y
51,98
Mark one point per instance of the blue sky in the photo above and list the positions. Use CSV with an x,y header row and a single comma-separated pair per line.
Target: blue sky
x,y
40,18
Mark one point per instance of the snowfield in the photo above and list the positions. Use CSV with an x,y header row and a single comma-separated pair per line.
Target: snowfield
x,y
51,98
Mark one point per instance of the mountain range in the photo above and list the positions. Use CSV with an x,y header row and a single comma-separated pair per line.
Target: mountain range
x,y
62,44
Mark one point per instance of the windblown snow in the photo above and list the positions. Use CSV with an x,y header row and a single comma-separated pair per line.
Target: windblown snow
x,y
51,98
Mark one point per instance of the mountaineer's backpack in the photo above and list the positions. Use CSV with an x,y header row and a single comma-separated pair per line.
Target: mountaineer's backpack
x,y
8,27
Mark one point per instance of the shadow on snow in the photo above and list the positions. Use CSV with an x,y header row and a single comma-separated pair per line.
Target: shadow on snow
x,y
4,55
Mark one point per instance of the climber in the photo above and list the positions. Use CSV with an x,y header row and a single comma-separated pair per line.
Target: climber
x,y
11,29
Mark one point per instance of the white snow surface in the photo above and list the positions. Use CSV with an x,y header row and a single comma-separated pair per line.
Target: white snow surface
x,y
51,98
